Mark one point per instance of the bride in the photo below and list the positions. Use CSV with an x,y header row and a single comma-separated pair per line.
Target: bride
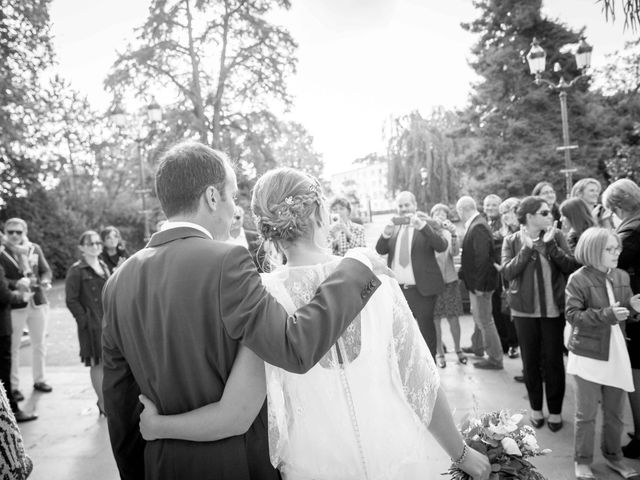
x,y
366,409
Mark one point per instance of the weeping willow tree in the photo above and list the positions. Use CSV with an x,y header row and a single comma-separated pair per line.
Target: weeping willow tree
x,y
422,156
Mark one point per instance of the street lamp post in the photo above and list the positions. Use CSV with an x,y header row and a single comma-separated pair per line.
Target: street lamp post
x,y
536,59
424,177
153,114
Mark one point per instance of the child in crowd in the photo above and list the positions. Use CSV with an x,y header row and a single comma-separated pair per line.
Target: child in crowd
x,y
598,302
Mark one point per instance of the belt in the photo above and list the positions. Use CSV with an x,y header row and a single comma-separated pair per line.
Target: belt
x,y
405,286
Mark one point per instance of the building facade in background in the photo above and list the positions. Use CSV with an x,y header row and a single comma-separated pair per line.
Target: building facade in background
x,y
367,184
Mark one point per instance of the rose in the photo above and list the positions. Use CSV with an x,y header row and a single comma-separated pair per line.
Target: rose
x,y
530,443
510,446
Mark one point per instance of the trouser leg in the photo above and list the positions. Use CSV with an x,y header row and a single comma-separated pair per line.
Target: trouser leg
x,y
551,330
612,422
481,309
18,322
587,395
37,321
529,336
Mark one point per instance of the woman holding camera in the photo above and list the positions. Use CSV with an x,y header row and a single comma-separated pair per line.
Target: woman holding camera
x,y
449,302
344,234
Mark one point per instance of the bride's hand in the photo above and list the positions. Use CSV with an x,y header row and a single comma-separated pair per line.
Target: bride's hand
x,y
149,419
477,465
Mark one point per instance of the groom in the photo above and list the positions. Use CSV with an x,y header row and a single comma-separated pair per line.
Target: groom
x,y
177,311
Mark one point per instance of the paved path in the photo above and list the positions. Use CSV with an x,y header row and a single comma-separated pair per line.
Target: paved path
x,y
69,441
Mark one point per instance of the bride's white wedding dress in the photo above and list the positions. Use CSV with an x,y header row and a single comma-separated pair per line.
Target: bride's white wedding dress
x,y
362,411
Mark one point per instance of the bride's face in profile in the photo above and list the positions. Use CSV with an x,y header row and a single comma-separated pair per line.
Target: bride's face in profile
x,y
321,226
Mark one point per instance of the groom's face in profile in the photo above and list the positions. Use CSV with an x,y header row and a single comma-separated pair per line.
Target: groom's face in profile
x,y
227,205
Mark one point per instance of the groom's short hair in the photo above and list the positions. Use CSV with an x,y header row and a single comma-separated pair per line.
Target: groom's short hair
x,y
185,172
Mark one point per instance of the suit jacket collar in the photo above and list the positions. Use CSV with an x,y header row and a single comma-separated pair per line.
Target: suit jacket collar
x,y
472,223
172,234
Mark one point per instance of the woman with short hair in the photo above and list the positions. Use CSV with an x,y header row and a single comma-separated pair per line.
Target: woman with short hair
x,y
599,301
588,189
449,302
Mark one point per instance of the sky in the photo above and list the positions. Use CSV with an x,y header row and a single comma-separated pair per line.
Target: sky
x,y
360,61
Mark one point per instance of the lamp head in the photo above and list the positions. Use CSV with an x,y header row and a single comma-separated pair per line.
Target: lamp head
x,y
118,116
536,58
583,54
154,111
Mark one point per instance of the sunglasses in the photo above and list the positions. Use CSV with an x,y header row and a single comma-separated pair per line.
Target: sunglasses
x,y
14,232
93,244
544,213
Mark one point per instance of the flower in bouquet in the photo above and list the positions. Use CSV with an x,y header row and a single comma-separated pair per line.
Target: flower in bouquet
x,y
503,438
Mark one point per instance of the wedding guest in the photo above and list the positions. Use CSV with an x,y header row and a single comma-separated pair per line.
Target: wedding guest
x,y
598,302
588,189
479,275
344,234
113,252
410,241
327,423
546,191
535,261
25,265
623,198
15,464
236,230
83,290
509,225
501,318
578,217
7,297
449,302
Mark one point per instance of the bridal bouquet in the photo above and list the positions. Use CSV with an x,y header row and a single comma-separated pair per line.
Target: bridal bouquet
x,y
506,442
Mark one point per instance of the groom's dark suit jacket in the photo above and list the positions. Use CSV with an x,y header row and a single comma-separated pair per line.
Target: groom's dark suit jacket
x,y
175,315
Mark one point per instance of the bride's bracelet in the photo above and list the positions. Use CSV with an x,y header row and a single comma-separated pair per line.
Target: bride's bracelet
x,y
457,462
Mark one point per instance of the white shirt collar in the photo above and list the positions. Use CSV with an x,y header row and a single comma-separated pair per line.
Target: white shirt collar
x,y
468,222
169,225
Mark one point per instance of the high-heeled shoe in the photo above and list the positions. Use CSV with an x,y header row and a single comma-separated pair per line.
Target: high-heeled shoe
x,y
101,412
462,358
440,361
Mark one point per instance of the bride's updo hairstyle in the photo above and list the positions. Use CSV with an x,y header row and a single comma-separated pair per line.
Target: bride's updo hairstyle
x,y
286,205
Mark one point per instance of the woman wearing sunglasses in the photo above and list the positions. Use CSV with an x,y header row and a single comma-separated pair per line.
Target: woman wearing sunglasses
x,y
83,288
535,261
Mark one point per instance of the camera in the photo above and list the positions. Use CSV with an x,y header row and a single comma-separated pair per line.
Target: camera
x,y
335,218
401,220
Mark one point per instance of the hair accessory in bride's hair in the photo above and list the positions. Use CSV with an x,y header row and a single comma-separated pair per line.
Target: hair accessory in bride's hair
x,y
290,217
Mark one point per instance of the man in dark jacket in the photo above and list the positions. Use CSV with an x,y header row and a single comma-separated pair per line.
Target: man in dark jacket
x,y
479,275
7,297
411,244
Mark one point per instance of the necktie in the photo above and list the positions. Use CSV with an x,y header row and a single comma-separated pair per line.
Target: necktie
x,y
403,252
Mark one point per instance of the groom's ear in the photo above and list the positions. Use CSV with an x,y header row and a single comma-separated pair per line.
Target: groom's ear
x,y
212,197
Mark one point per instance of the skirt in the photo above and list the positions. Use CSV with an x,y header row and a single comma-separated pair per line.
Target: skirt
x,y
449,302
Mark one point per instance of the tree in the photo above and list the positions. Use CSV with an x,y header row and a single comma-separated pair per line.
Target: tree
x,y
417,144
619,88
513,127
25,50
630,10
222,59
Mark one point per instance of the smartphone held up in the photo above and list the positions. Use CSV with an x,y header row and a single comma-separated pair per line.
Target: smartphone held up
x,y
401,220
